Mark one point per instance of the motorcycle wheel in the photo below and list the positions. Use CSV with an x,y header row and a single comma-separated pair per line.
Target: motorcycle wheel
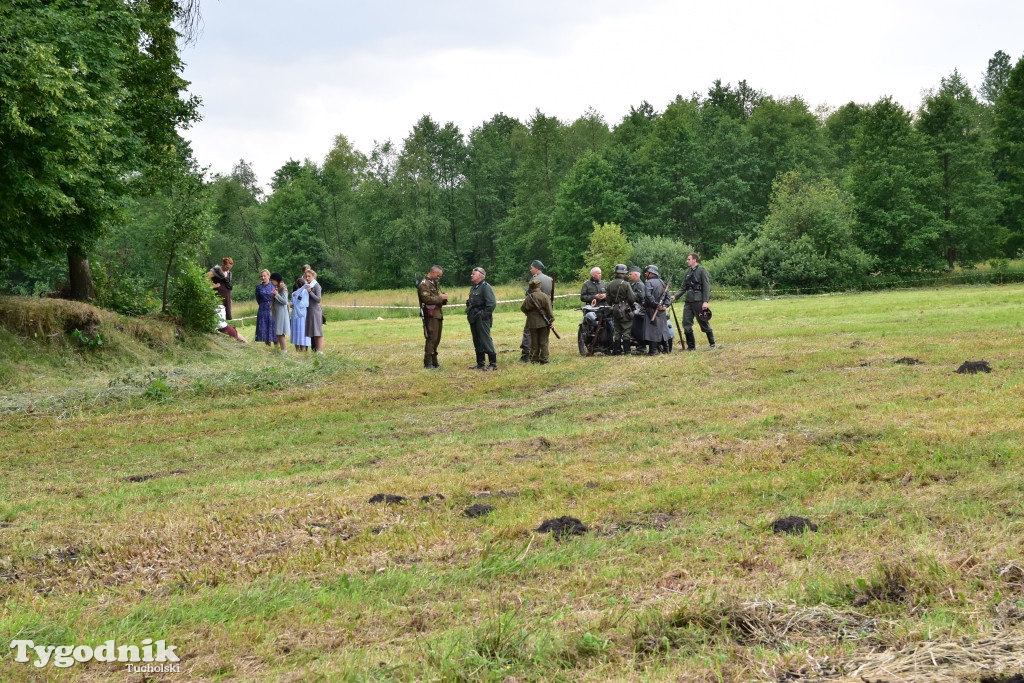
x,y
581,340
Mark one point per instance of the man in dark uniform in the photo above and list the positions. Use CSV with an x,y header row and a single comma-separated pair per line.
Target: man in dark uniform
x,y
636,332
621,298
480,305
537,307
431,301
547,286
656,302
697,290
594,290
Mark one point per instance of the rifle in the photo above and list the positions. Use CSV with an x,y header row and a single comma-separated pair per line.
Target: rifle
x,y
547,321
423,318
668,286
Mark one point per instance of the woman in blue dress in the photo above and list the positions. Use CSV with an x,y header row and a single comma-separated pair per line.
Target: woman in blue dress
x,y
264,318
300,301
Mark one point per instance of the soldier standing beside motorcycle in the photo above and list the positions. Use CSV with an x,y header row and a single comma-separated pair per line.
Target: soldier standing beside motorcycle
x,y
621,298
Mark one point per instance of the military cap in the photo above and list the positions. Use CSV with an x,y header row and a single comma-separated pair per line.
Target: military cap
x,y
537,264
634,269
534,284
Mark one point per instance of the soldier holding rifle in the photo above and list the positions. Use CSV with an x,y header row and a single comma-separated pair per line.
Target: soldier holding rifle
x,y
540,320
697,292
656,302
547,285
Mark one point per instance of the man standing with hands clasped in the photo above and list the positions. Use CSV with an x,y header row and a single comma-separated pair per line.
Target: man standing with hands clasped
x,y
431,300
697,290
480,304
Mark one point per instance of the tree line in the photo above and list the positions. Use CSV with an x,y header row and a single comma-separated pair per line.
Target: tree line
x,y
771,192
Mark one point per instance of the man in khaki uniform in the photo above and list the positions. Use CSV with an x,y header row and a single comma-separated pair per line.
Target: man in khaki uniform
x,y
431,301
547,286
537,307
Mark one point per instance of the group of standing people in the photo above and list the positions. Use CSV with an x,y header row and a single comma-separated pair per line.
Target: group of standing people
x,y
480,305
277,315
639,316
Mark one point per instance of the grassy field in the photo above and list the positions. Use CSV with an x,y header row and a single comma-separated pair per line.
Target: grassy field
x,y
216,496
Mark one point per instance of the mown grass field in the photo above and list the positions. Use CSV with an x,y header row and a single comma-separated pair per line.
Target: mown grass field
x,y
216,496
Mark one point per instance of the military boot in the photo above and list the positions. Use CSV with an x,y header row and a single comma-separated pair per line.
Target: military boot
x,y
479,362
625,348
493,358
617,348
428,361
652,349
433,361
691,341
711,339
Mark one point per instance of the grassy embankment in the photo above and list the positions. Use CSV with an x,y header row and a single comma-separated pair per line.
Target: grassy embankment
x,y
216,496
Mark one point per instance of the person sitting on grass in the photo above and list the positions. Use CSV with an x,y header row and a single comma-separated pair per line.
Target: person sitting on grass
x,y
223,327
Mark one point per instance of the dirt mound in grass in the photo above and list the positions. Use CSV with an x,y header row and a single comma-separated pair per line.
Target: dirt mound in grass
x,y
907,360
387,499
793,525
431,496
973,367
563,527
478,510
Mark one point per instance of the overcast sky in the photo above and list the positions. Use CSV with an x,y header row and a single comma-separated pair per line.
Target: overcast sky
x,y
280,79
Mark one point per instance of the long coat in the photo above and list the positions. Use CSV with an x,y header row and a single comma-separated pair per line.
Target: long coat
x,y
314,314
280,311
656,330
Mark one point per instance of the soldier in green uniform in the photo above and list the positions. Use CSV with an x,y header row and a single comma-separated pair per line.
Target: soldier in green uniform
x,y
594,290
537,307
431,301
480,304
697,290
547,285
621,298
636,331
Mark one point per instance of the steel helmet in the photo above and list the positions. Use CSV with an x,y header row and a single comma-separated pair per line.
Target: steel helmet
x,y
621,269
705,314
652,269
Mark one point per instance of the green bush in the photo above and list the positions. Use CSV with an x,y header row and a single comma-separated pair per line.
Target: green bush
x,y
122,292
666,253
806,242
193,301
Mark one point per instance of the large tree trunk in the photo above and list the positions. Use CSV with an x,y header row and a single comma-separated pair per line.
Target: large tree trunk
x,y
79,275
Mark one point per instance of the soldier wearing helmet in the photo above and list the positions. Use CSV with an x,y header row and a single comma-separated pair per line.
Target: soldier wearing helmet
x,y
656,302
619,295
